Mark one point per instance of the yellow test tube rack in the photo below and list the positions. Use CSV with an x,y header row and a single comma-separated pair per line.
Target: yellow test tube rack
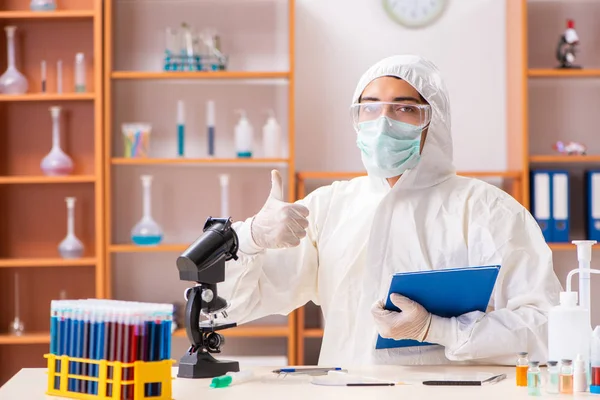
x,y
144,372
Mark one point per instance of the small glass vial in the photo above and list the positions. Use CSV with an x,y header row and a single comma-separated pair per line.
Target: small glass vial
x,y
534,379
522,367
553,372
566,377
80,86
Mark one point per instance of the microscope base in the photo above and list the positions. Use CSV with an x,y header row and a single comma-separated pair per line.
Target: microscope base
x,y
204,365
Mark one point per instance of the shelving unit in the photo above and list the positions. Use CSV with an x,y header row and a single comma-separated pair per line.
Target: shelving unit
x,y
186,189
546,104
32,206
510,181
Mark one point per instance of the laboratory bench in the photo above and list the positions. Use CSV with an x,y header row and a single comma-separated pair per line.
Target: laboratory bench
x,y
30,384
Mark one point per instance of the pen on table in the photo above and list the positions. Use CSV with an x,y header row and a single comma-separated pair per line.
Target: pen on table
x,y
305,370
493,379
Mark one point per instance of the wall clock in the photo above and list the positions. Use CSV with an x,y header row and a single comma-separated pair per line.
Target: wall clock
x,y
414,13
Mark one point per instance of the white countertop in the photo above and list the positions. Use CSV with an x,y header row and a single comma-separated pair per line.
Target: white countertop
x,y
30,384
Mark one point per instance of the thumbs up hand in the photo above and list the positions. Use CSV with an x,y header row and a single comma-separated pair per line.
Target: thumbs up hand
x,y
279,224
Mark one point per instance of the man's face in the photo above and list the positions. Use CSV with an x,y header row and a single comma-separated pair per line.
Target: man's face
x,y
392,89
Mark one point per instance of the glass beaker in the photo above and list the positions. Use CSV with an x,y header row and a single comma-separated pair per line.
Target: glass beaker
x,y
56,163
42,5
71,247
12,81
136,139
16,326
146,232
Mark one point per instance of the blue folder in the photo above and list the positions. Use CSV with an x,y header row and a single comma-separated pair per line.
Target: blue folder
x,y
445,292
593,205
541,202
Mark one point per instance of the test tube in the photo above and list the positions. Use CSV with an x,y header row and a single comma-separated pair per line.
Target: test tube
x,y
43,76
595,378
224,180
210,124
59,86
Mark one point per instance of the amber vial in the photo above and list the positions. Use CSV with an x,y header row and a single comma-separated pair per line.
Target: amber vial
x,y
522,367
566,377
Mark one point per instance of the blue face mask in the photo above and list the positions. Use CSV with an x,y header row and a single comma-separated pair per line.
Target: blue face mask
x,y
388,147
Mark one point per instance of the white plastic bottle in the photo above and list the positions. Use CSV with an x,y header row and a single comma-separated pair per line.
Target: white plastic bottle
x,y
580,375
569,331
244,136
272,137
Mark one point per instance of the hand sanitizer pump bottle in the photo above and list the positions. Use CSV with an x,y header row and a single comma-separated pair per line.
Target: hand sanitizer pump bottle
x,y
569,326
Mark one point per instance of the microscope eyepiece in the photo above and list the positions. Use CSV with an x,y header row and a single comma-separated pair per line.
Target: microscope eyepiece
x,y
204,260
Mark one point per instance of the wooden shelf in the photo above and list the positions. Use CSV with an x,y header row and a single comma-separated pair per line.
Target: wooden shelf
x,y
199,75
46,262
48,97
567,246
27,338
34,179
564,159
59,14
207,161
132,248
564,73
313,333
249,331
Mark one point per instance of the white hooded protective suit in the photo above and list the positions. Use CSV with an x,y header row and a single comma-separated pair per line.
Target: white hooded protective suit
x,y
362,231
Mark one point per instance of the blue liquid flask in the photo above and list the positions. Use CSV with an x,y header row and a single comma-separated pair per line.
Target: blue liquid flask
x,y
146,232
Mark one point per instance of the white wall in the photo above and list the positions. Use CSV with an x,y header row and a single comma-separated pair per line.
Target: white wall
x,y
337,40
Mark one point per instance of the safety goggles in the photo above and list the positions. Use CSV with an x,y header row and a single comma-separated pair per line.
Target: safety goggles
x,y
414,114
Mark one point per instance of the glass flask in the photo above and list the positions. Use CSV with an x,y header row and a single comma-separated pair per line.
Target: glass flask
x,y
522,367
42,5
70,247
16,326
146,232
12,81
56,163
566,377
534,379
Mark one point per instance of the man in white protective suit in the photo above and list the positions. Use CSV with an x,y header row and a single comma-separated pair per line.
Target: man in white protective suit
x,y
339,246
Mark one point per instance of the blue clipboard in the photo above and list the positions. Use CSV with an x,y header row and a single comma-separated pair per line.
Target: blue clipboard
x,y
445,292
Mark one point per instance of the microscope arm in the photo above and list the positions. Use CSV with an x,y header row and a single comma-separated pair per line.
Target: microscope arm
x,y
192,316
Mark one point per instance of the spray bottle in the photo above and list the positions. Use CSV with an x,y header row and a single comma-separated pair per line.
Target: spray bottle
x,y
569,324
243,136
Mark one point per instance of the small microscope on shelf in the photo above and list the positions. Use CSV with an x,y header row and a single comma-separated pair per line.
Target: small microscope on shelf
x,y
565,51
204,263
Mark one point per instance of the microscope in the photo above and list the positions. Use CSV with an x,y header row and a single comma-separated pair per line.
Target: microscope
x,y
565,51
204,263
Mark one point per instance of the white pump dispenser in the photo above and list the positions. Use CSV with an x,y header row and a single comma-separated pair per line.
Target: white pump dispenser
x,y
244,136
271,137
569,326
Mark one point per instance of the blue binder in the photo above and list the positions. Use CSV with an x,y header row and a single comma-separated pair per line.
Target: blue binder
x,y
593,205
445,292
541,200
560,206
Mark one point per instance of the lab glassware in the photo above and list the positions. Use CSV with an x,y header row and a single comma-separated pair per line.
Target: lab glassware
x,y
56,163
16,326
80,83
595,378
566,377
42,5
522,367
224,181
146,232
12,81
71,246
553,372
534,379
136,138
